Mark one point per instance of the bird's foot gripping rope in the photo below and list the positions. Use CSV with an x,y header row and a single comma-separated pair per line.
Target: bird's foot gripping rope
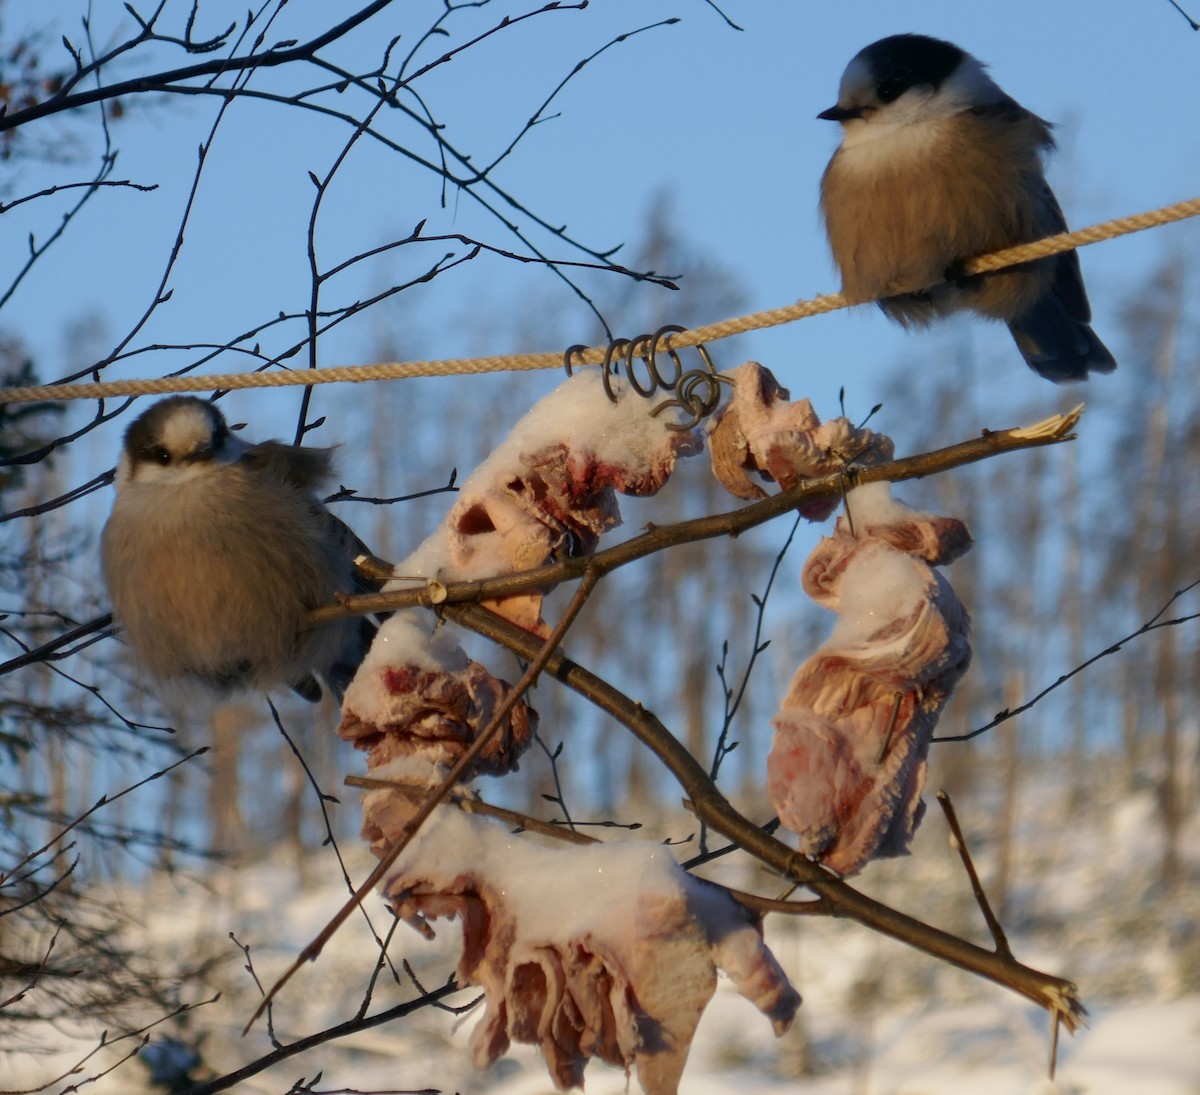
x,y
697,391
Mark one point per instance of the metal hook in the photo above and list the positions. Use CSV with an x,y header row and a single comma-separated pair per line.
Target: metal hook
x,y
608,369
697,391
647,348
570,352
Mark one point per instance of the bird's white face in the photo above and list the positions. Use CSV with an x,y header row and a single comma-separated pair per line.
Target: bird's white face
x,y
915,113
180,442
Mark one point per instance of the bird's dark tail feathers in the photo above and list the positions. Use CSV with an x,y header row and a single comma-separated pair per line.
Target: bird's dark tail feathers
x,y
1057,346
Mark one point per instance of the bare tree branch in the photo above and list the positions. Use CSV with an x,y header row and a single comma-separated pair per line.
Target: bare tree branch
x,y
1057,995
1153,624
989,444
537,661
104,800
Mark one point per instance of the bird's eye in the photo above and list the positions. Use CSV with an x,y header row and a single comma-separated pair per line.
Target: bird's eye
x,y
161,455
890,88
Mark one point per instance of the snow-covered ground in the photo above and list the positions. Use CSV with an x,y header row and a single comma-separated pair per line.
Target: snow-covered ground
x,y
877,1017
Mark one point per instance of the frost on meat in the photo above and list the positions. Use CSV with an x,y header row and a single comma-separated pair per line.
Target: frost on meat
x,y
851,737
609,951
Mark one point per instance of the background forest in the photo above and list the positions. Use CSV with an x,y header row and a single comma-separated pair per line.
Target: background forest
x,y
470,207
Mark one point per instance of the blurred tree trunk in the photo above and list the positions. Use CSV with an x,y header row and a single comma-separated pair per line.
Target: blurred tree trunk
x,y
34,596
227,726
1010,766
1161,550
1129,677
1016,646
1074,603
295,795
1154,319
1167,687
1170,791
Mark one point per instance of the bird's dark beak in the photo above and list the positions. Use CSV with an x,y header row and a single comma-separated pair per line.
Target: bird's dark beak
x,y
840,113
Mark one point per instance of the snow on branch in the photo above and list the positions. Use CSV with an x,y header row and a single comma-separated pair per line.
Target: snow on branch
x,y
621,965
547,493
611,951
608,951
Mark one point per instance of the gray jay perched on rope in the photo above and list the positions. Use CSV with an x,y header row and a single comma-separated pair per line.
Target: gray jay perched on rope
x,y
938,165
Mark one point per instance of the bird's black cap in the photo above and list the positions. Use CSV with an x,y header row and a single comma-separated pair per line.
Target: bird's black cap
x,y
903,61
143,438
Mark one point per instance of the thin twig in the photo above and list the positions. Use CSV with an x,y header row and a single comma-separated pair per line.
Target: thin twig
x,y
732,523
341,1030
322,803
559,798
1153,624
382,962
523,822
48,651
91,185
757,646
537,662
471,804
1195,26
249,968
985,906
100,803
1046,990
104,1043
162,81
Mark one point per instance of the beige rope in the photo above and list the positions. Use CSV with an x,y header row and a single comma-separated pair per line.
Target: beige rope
x,y
1066,241
832,302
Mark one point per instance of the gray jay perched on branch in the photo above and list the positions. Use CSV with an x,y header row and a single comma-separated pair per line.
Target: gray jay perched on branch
x,y
217,549
938,165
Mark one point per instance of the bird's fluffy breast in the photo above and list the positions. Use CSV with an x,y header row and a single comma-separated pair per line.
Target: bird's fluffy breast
x,y
225,549
903,209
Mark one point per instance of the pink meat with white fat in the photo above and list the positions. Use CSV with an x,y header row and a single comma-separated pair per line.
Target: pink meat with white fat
x,y
852,735
759,431
616,962
547,493
547,503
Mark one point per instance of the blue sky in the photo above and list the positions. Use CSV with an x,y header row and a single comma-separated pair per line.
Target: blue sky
x,y
723,120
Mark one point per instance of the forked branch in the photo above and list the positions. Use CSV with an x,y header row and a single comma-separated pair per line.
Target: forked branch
x,y
1050,431
1057,995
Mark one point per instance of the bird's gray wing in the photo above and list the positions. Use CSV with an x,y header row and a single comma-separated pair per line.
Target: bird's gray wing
x,y
1058,346
1054,336
346,545
306,469
1007,109
1068,278
303,468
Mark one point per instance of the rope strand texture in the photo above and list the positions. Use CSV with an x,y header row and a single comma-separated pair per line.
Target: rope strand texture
x,y
832,302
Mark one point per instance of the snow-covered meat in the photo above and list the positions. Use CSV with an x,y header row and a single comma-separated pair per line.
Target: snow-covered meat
x,y
851,737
